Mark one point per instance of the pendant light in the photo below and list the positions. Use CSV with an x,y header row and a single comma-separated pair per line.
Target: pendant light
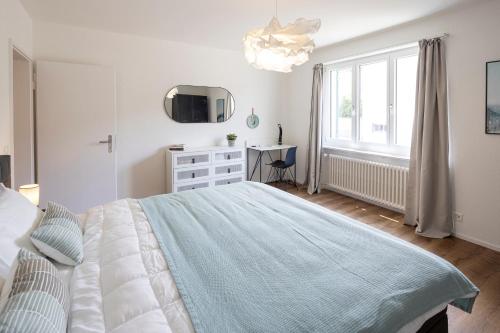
x,y
278,48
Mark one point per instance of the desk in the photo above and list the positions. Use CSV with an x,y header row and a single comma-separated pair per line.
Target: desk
x,y
261,150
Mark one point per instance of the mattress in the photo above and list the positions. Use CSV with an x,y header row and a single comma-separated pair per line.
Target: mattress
x,y
124,283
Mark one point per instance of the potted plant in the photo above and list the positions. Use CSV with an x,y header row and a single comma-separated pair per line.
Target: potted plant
x,y
231,139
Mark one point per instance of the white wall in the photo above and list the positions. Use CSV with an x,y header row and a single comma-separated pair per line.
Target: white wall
x,y
475,156
146,69
15,25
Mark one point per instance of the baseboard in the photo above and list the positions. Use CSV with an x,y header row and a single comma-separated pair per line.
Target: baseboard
x,y
477,242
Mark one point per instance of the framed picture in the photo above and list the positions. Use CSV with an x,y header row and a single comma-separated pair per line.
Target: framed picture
x,y
493,97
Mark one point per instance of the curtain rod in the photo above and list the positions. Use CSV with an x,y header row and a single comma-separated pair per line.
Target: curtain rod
x,y
387,49
443,35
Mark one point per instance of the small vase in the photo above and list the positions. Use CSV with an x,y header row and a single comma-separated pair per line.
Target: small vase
x,y
231,143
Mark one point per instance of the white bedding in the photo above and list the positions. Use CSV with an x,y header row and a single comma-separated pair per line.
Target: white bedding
x,y
124,284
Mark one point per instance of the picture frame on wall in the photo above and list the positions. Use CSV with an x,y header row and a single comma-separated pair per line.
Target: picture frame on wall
x,y
493,97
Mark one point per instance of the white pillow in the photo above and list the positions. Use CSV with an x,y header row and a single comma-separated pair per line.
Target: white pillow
x,y
18,217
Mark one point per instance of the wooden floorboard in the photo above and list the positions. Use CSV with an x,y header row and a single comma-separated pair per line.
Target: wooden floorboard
x,y
479,264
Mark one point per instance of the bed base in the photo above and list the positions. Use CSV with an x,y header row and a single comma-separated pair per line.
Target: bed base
x,y
436,324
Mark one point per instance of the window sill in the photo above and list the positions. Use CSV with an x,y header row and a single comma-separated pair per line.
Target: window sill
x,y
368,155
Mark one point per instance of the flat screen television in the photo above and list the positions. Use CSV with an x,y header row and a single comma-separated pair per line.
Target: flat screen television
x,y
190,108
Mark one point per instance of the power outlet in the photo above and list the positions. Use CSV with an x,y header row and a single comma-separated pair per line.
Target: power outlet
x,y
458,217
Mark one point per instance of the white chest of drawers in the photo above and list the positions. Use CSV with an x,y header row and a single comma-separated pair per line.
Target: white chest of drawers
x,y
204,167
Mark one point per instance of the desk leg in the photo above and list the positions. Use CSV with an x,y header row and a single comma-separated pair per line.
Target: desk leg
x,y
247,171
255,165
270,159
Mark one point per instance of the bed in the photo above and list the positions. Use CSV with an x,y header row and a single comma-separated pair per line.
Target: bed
x,y
247,257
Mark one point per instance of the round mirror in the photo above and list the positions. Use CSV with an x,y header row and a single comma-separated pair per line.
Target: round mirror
x,y
199,104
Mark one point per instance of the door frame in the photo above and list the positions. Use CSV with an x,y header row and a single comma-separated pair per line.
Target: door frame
x,y
11,49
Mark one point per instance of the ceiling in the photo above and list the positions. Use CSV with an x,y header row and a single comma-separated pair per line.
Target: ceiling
x,y
222,23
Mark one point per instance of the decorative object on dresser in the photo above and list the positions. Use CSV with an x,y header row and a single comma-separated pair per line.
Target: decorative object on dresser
x,y
253,120
231,139
196,168
177,147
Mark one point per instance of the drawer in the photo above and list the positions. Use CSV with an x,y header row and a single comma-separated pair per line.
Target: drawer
x,y
228,155
228,180
191,159
191,186
227,169
191,174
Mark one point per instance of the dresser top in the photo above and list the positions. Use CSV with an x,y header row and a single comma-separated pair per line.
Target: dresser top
x,y
205,149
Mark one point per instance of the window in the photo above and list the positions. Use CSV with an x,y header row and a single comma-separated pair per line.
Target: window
x,y
372,102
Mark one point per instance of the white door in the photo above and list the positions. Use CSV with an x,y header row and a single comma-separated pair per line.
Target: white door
x,y
75,115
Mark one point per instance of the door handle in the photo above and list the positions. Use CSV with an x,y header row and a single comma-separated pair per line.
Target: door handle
x,y
109,141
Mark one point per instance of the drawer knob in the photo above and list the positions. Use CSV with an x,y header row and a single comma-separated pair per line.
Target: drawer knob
x,y
192,188
192,160
229,182
228,157
228,170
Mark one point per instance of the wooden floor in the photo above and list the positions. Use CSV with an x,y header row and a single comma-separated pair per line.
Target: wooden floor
x,y
479,264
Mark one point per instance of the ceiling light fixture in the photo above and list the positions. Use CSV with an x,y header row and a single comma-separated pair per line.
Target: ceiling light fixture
x,y
278,48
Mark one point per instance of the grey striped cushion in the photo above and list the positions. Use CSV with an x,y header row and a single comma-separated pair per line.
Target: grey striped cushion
x,y
59,236
38,299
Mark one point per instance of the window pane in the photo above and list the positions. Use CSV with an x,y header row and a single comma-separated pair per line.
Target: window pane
x,y
342,102
406,81
373,102
333,104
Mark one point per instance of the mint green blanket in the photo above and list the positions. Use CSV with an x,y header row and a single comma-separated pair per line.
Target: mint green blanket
x,y
250,258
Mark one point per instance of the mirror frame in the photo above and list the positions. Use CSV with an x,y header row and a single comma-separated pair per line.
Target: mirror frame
x,y
191,85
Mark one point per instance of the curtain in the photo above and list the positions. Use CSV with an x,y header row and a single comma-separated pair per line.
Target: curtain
x,y
315,132
428,204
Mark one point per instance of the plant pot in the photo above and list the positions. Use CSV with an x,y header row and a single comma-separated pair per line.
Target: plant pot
x,y
231,143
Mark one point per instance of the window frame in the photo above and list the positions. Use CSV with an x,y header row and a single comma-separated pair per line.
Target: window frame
x,y
354,64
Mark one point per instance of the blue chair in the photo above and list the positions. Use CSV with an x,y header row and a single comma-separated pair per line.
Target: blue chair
x,y
280,167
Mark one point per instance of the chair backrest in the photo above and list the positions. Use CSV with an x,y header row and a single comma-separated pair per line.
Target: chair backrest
x,y
290,156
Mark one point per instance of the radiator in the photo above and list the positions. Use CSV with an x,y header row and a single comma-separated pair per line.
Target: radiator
x,y
377,183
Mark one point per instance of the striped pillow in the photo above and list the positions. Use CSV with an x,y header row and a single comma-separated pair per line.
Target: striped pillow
x,y
37,299
59,236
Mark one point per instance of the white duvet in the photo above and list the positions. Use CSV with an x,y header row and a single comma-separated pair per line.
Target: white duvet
x,y
124,284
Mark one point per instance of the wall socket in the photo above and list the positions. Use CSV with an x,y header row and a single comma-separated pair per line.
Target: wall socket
x,y
458,217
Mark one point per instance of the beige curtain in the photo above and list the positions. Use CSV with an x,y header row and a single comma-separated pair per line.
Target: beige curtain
x,y
315,132
428,203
